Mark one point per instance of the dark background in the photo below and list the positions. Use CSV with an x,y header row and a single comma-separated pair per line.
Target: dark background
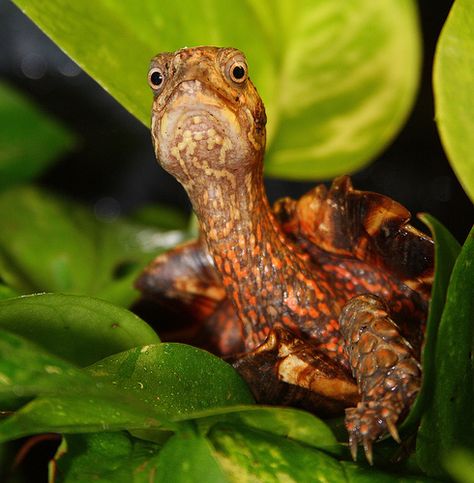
x,y
113,166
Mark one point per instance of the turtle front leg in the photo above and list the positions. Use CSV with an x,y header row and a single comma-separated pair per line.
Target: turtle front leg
x,y
387,372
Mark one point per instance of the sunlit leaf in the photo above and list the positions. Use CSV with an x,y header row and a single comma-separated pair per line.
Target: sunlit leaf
x,y
250,455
329,72
453,80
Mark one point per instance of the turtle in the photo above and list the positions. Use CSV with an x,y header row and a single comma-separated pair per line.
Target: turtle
x,y
319,303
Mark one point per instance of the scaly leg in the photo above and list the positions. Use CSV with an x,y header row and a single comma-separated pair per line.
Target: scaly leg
x,y
387,373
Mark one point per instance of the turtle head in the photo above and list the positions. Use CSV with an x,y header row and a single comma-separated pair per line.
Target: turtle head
x,y
208,120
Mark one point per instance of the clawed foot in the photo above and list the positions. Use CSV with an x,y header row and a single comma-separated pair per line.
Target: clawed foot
x,y
368,422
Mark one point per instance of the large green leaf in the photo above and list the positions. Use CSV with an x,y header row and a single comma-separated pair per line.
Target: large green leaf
x,y
329,72
248,455
103,458
27,370
186,458
446,252
106,457
80,413
29,139
76,328
174,378
453,80
52,245
281,421
448,422
67,398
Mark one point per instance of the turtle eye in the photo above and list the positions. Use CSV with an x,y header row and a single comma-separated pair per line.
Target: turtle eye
x,y
156,78
237,71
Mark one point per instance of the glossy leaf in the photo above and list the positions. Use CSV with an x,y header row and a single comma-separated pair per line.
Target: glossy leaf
x,y
250,455
446,252
66,395
329,72
52,245
448,421
453,80
67,399
29,139
173,378
103,457
78,329
186,458
27,370
79,414
289,423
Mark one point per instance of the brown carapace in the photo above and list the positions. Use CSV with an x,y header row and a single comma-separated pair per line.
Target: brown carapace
x,y
319,302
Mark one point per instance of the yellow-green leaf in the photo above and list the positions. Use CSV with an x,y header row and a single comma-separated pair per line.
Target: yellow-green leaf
x,y
453,80
338,78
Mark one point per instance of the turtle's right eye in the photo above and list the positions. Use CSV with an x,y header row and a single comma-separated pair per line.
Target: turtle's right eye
x,y
156,78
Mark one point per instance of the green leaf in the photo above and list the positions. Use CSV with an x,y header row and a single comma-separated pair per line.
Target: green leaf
x,y
27,370
281,421
329,72
162,216
52,245
174,378
460,465
102,458
446,251
449,420
106,457
7,292
363,474
67,399
78,329
250,455
453,78
30,141
80,413
186,458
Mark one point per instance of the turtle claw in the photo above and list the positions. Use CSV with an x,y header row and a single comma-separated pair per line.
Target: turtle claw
x,y
367,443
367,423
353,445
392,429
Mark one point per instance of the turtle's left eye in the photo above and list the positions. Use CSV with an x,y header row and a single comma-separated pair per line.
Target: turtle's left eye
x,y
237,71
156,78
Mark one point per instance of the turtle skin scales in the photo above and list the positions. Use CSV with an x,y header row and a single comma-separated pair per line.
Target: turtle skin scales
x,y
320,302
